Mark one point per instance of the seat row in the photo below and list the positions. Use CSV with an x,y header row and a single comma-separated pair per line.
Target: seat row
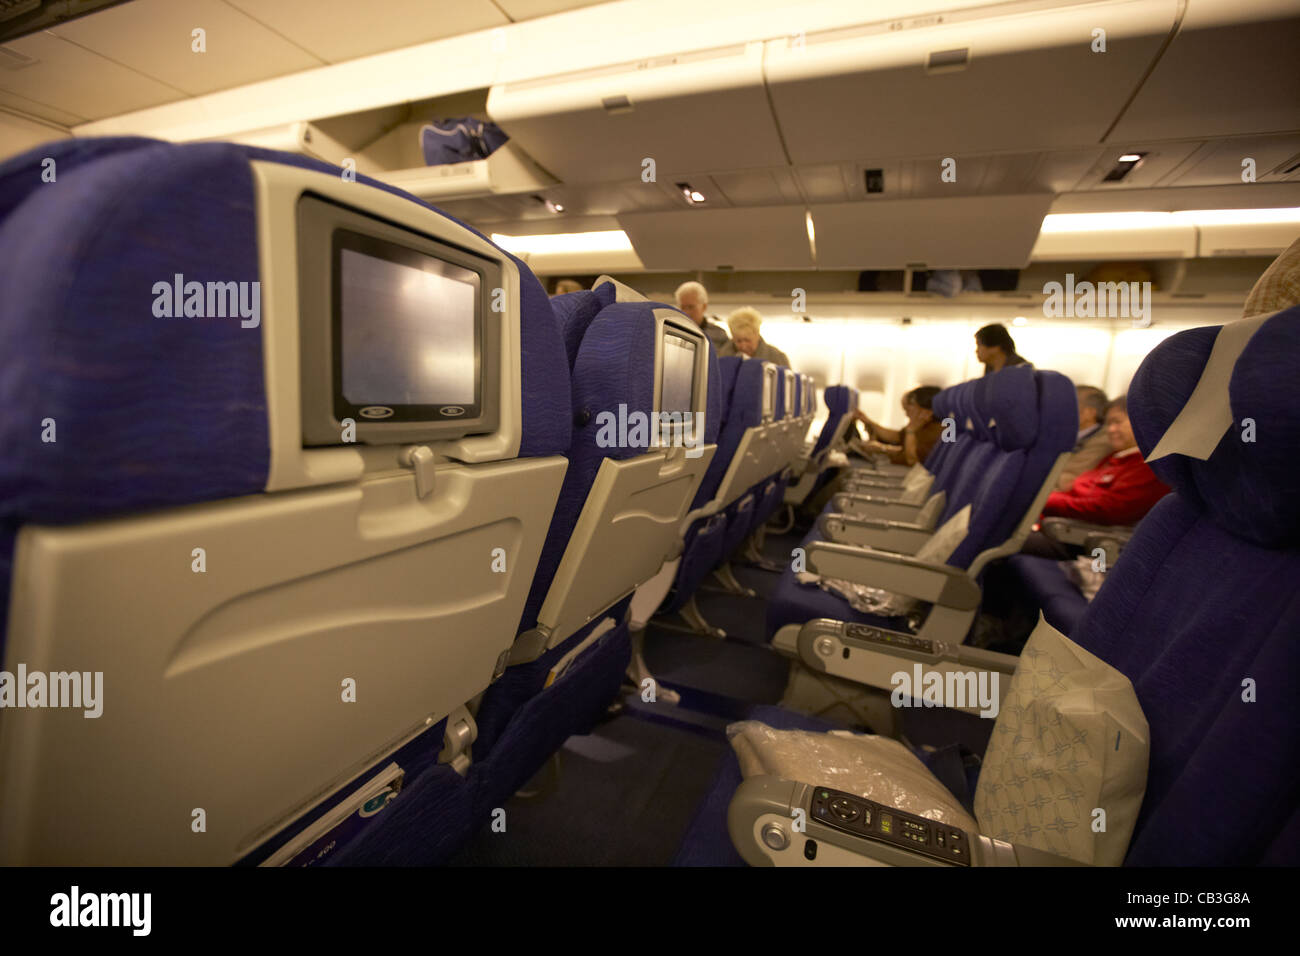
x,y
336,513
1168,696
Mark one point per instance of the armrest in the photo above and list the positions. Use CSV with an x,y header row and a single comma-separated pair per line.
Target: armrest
x,y
776,822
925,513
864,478
902,664
1110,539
937,583
901,537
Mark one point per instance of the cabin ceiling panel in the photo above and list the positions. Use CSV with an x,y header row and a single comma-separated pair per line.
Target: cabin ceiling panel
x,y
72,79
328,29
237,48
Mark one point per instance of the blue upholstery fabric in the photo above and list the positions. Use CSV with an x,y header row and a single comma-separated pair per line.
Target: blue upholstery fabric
x,y
1047,588
1252,488
614,366
1205,600
729,433
21,174
702,551
1188,614
153,412
575,311
840,401
1017,425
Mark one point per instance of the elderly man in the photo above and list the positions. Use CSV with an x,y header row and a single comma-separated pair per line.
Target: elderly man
x,y
745,340
1091,444
692,299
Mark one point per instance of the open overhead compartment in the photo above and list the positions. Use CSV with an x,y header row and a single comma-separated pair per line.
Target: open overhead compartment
x,y
1231,70
689,113
768,237
1009,77
395,159
971,232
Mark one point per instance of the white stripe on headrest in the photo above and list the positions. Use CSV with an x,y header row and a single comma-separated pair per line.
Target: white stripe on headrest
x,y
622,293
1208,413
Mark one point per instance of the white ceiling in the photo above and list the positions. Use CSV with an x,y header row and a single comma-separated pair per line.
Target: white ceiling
x,y
98,66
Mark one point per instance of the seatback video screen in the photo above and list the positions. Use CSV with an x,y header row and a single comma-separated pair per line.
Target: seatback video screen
x,y
408,333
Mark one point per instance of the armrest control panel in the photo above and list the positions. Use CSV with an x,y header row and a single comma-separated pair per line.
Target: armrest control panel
x,y
882,824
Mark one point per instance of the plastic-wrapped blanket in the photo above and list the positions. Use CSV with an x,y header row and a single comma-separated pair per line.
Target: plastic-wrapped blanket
x,y
877,768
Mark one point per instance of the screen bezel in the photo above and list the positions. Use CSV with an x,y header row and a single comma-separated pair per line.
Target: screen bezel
x,y
789,392
325,230
346,240
673,433
769,391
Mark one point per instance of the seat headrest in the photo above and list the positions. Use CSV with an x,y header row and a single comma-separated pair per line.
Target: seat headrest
x,y
1007,406
1212,413
840,398
575,311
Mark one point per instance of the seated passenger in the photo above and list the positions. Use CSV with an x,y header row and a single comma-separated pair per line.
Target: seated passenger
x,y
745,340
996,349
692,300
1092,444
1120,490
911,444
565,286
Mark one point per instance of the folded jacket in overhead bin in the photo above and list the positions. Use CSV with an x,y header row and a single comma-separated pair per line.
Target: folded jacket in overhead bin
x,y
459,141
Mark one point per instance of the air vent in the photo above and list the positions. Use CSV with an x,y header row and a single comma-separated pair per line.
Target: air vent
x,y
13,60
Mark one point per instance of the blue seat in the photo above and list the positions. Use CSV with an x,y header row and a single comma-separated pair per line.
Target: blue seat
x,y
1020,426
167,434
529,712
1047,589
1224,731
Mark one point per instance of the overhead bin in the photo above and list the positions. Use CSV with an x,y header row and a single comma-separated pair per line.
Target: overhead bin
x,y
689,113
1164,237
1008,77
970,232
766,237
508,170
1232,69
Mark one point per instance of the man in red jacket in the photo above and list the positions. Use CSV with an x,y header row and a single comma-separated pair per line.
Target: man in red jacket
x,y
1120,490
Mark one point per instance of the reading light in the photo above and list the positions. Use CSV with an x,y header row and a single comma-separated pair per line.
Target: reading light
x,y
1019,320
692,194
1130,157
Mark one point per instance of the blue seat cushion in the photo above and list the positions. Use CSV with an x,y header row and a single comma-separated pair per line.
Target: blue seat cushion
x,y
1044,582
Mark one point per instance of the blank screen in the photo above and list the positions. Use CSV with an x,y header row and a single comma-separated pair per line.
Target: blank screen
x,y
676,392
408,334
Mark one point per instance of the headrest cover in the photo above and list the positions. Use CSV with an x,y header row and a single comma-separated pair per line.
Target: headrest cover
x,y
1230,384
